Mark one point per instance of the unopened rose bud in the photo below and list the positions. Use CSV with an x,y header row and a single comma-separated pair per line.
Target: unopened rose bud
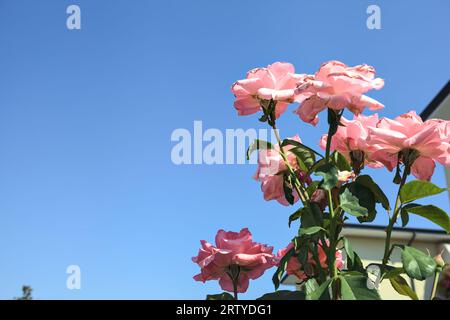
x,y
439,260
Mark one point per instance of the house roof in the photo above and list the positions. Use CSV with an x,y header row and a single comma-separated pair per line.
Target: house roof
x,y
376,227
374,231
436,102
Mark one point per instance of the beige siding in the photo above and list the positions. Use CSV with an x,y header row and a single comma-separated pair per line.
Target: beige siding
x,y
370,251
369,244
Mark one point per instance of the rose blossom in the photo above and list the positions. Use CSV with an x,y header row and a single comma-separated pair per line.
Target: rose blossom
x,y
337,86
276,82
351,141
294,267
427,142
233,251
271,170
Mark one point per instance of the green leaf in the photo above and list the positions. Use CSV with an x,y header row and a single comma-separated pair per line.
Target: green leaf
x,y
432,213
379,195
302,165
417,264
317,165
313,291
305,158
303,250
264,117
393,272
287,188
310,286
312,187
319,291
354,287
220,296
329,173
356,264
346,291
309,231
350,204
348,249
404,216
311,216
340,161
283,295
398,175
351,273
258,145
368,194
401,286
366,199
295,143
269,111
299,243
418,189
296,215
282,267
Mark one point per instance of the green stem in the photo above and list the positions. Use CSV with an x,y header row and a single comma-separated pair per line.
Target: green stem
x,y
333,223
234,273
435,284
297,184
328,147
392,221
331,130
235,294
332,248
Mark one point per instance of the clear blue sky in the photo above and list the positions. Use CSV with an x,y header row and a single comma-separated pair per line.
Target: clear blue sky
x,y
86,118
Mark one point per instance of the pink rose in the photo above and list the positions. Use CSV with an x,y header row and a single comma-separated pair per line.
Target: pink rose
x,y
233,251
351,140
271,170
294,267
443,127
337,86
276,82
428,140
